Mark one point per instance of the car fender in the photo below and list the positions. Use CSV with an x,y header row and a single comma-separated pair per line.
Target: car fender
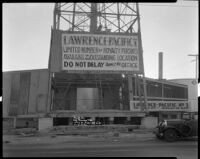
x,y
171,127
178,130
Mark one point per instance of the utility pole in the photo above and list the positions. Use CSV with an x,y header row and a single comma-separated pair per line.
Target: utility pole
x,y
196,59
160,65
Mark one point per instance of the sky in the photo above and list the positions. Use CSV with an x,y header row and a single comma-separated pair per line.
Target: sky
x,y
168,28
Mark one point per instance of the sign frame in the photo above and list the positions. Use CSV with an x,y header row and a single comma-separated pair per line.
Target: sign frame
x,y
139,54
156,106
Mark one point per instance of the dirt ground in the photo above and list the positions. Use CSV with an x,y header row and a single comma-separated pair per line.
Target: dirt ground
x,y
31,136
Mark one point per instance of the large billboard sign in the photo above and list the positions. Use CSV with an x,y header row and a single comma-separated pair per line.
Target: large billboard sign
x,y
161,106
100,52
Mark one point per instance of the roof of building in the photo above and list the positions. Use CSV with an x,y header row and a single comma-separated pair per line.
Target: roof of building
x,y
182,79
31,70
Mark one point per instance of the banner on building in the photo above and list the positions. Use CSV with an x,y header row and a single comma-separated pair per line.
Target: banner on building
x,y
99,52
161,106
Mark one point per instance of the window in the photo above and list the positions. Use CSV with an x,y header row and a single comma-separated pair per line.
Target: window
x,y
154,89
171,91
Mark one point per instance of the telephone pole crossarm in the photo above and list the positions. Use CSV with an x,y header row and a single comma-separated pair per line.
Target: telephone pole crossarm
x,y
196,59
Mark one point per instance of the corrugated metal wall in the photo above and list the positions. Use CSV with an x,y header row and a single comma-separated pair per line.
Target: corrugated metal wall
x,y
25,92
39,92
34,85
6,93
14,94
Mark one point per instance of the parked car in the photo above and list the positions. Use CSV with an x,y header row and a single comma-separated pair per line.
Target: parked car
x,y
172,129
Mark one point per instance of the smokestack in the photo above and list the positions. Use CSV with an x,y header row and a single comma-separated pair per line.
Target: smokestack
x,y
160,66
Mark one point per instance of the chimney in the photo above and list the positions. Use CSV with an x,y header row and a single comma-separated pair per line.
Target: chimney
x,y
160,66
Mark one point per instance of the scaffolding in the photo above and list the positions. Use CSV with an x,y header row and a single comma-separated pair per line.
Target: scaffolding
x,y
121,18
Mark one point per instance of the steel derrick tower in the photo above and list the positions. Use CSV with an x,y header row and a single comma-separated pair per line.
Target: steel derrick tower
x,y
91,17
105,18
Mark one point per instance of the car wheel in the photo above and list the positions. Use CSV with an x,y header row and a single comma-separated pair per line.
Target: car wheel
x,y
186,130
170,135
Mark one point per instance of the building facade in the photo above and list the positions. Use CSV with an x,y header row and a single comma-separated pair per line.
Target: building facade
x,y
192,92
95,71
32,94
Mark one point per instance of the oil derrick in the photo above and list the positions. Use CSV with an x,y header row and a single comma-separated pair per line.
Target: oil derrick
x,y
104,18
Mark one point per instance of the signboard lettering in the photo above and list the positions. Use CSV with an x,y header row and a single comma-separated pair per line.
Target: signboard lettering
x,y
160,105
98,52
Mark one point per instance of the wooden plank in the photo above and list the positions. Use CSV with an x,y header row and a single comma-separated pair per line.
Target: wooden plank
x,y
6,93
50,92
97,113
67,98
14,96
130,86
109,100
73,96
42,95
34,84
24,93
15,85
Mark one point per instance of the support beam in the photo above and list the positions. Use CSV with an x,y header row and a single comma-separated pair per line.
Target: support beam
x,y
73,19
130,86
160,66
14,122
196,60
93,18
